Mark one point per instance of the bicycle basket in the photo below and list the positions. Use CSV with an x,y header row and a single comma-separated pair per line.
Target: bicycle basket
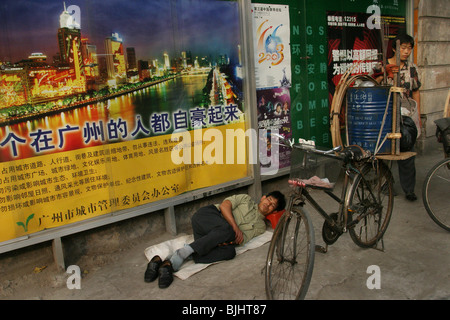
x,y
314,170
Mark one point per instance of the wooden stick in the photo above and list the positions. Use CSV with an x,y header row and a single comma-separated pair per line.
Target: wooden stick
x,y
384,48
446,108
396,112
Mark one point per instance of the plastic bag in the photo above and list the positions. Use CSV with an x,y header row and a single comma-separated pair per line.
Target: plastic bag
x,y
409,109
408,130
443,133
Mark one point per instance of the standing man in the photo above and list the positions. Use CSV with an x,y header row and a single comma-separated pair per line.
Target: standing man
x,y
409,80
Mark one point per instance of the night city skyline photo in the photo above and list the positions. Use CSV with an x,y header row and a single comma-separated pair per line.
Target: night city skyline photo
x,y
151,27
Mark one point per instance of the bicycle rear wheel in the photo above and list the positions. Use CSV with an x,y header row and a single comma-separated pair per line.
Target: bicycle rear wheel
x,y
436,193
370,204
290,260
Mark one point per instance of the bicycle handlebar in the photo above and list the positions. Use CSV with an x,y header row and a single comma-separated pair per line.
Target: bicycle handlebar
x,y
347,154
331,151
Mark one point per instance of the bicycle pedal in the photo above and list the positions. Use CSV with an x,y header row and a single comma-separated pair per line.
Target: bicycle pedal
x,y
321,249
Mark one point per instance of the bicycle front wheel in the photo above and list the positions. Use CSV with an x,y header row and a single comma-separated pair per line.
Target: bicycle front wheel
x,y
290,260
436,193
370,204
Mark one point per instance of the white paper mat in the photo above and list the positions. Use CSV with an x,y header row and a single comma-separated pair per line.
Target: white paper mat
x,y
165,249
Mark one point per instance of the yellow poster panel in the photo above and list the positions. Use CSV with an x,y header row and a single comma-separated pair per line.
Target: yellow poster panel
x,y
58,189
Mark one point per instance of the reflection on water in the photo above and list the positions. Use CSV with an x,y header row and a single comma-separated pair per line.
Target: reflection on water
x,y
183,92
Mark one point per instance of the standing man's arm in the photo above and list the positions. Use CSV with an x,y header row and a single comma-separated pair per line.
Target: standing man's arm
x,y
415,86
226,210
416,97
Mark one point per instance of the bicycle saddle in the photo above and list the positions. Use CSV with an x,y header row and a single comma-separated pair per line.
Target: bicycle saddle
x,y
354,153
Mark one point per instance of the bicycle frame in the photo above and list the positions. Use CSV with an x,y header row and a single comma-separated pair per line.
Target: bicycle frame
x,y
350,174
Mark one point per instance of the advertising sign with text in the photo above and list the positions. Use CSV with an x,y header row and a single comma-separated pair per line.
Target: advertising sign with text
x,y
90,95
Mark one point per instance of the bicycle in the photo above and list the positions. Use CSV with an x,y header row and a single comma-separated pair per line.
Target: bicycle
x,y
435,191
365,208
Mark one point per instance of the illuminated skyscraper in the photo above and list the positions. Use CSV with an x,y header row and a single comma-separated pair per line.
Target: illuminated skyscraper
x,y
66,20
184,60
115,59
166,61
70,51
131,59
69,35
196,64
132,70
90,61
143,69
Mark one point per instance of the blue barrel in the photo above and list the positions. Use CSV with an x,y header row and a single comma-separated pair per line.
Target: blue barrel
x,y
365,111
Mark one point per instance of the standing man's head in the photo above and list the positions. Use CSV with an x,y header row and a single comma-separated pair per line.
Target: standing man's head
x,y
406,45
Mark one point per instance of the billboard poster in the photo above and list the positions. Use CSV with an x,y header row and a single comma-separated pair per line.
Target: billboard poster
x,y
90,95
272,46
274,114
355,43
271,27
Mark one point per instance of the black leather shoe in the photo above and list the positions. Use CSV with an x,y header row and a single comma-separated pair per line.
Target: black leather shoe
x,y
152,269
165,274
411,196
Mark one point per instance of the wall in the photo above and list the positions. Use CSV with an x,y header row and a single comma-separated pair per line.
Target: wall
x,y
433,60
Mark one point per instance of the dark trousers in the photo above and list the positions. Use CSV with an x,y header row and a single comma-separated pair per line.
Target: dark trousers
x,y
407,174
210,230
